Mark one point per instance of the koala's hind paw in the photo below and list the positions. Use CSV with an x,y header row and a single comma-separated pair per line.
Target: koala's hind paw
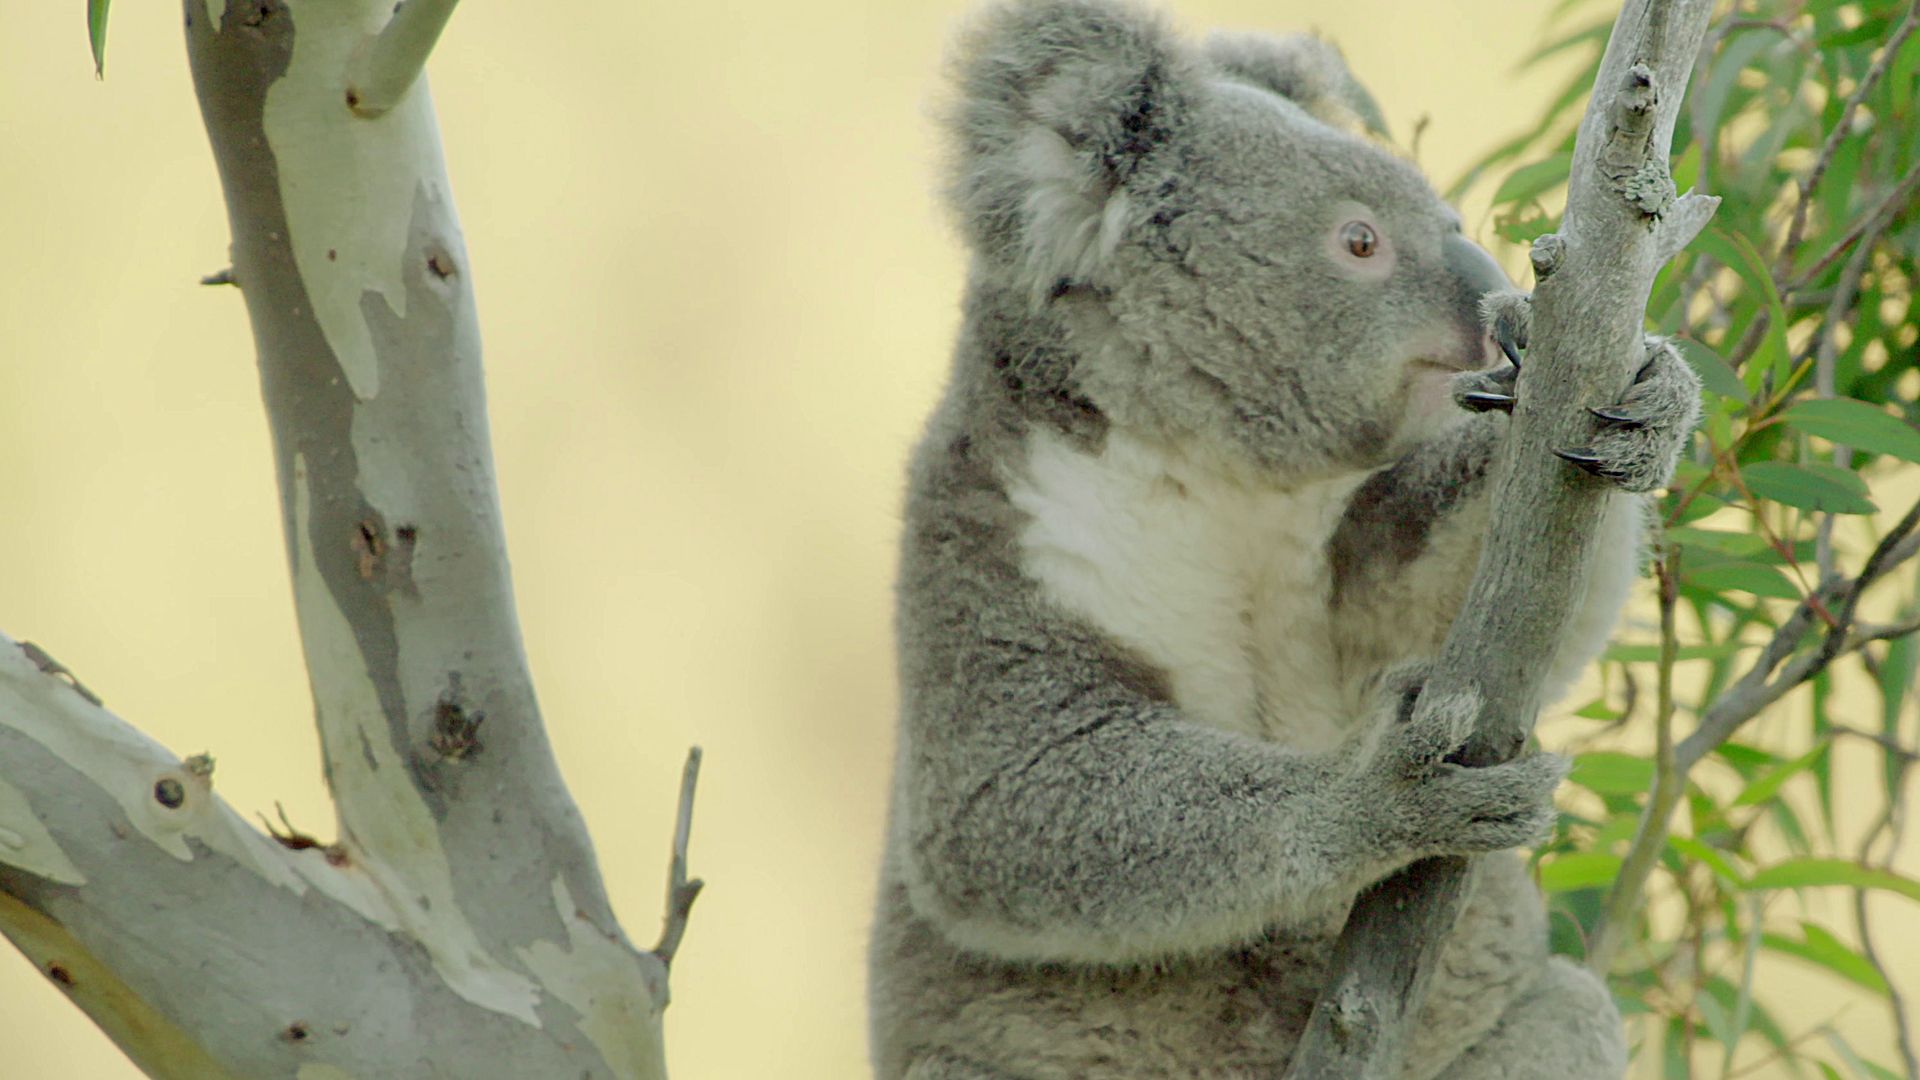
x,y
1637,441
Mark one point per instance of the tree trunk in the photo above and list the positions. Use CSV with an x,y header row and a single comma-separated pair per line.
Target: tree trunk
x,y
1622,223
459,926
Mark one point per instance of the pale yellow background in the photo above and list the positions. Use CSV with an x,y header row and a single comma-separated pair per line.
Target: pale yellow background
x,y
718,296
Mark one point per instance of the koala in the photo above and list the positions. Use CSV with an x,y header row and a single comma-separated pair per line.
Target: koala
x,y
1207,486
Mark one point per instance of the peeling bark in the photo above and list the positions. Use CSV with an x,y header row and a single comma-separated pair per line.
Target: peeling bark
x,y
1623,221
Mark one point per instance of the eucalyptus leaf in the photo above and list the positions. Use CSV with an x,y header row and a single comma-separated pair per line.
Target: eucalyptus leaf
x,y
1813,486
1755,578
1714,371
1811,871
1857,424
1578,870
97,35
1607,772
1826,951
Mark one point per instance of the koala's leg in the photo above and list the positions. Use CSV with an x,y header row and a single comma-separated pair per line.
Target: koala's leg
x,y
943,1066
1563,1026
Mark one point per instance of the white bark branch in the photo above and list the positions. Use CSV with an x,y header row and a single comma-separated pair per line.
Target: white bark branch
x,y
1622,222
459,925
385,66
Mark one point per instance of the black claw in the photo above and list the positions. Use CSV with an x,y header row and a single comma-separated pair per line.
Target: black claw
x,y
1611,416
1587,461
1483,401
1506,346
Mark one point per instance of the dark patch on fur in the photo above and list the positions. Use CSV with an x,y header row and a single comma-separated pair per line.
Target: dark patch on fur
x,y
1375,530
1137,676
1033,365
1140,128
1390,517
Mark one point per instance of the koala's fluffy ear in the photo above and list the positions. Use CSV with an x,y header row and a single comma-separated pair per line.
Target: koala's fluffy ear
x,y
1061,104
1306,70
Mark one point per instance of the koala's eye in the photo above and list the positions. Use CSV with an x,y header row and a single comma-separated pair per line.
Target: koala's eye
x,y
1360,239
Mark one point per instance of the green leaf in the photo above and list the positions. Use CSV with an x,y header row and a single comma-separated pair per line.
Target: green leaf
x,y
1741,48
1579,870
1813,486
1522,231
1724,541
1772,354
1767,786
1597,709
1690,848
1594,34
1737,253
1896,676
1647,654
1857,424
1529,181
1714,371
1900,75
1746,760
1824,950
97,35
1606,772
1864,1070
1813,872
1745,576
1719,1023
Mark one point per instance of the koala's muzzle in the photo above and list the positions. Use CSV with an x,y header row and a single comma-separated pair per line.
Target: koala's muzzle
x,y
1473,266
1477,275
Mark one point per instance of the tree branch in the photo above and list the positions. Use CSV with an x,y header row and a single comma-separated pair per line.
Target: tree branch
x,y
1622,221
459,924
681,892
1757,689
386,65
1843,130
1836,600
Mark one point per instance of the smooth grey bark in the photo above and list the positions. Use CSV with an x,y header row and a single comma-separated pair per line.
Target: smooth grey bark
x,y
459,926
1622,223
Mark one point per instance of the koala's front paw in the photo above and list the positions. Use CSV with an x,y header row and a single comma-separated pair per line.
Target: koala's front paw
x,y
1427,805
1636,442
1508,316
1485,391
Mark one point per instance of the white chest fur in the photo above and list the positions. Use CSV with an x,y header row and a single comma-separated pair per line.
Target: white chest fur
x,y
1221,584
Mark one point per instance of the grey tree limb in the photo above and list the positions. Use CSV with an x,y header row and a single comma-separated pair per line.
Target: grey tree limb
x,y
1623,221
458,926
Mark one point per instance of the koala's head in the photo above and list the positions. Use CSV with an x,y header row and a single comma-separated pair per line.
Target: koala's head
x,y
1232,266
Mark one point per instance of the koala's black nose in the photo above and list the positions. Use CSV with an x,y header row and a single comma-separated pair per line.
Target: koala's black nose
x,y
1473,266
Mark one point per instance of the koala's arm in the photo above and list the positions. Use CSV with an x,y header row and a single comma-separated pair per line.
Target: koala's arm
x,y
1052,804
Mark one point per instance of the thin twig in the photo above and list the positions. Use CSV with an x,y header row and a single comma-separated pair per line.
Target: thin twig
x,y
1826,350
681,892
1669,781
1886,742
1796,232
1874,220
1755,690
1890,818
